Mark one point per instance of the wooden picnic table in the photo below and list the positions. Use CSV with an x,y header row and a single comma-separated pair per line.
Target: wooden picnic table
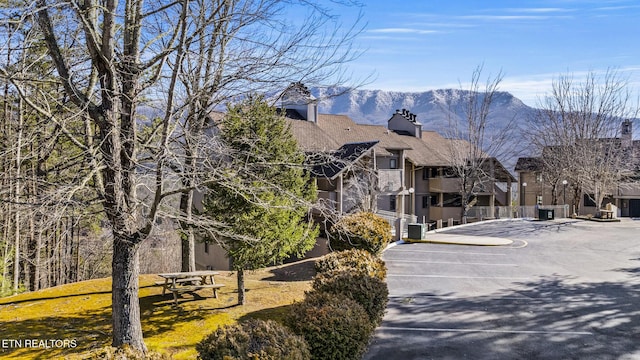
x,y
180,282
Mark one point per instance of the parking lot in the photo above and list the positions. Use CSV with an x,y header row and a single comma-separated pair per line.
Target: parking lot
x,y
562,290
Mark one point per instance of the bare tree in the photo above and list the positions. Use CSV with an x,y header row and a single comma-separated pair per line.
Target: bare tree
x,y
115,62
577,131
236,48
475,140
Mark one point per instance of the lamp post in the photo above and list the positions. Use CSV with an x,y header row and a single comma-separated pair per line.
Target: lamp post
x,y
564,196
523,199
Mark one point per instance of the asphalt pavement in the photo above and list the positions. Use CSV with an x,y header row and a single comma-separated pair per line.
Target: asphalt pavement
x,y
562,289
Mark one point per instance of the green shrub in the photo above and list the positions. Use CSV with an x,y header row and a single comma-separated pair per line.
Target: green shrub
x,y
334,326
370,292
253,340
355,260
363,230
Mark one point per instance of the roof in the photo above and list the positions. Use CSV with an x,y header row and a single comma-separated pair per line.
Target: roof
x,y
344,130
528,164
311,138
332,131
290,113
422,153
342,158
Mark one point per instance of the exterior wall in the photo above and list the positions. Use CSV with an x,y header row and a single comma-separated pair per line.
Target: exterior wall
x,y
215,259
529,194
421,190
444,213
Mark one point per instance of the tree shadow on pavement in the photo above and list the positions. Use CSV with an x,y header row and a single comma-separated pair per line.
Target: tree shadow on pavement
x,y
555,317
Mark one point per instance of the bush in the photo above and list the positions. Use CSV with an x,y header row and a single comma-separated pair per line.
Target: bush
x,y
363,230
354,260
334,326
253,340
370,292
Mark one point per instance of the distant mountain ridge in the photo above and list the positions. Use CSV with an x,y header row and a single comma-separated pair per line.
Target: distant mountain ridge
x,y
433,108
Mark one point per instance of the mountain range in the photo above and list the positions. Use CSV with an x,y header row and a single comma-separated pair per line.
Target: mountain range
x,y
434,108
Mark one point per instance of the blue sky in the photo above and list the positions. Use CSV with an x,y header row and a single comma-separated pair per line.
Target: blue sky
x,y
419,45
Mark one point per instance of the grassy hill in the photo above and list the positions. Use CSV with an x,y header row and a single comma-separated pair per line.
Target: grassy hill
x,y
82,312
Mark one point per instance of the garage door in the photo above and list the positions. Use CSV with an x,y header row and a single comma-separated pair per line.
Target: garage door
x,y
634,207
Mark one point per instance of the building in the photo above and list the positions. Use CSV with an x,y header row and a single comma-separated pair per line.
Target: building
x,y
411,165
542,186
397,171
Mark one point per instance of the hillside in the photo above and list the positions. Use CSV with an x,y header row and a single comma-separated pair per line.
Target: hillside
x,y
73,321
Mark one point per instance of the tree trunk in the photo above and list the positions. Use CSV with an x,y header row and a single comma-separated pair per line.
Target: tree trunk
x,y
188,250
187,236
241,290
16,246
125,301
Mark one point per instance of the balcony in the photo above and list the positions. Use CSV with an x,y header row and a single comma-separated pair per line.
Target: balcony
x,y
444,185
390,180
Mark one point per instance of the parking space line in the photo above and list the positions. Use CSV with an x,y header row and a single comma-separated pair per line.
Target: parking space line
x,y
394,328
460,277
403,298
449,263
446,252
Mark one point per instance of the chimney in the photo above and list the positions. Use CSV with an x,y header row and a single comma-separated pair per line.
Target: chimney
x,y
298,97
405,122
626,134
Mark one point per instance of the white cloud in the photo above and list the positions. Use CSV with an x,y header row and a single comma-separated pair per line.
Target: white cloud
x,y
507,17
402,31
539,10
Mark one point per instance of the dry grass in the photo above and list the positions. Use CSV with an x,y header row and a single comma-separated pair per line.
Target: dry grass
x,y
82,311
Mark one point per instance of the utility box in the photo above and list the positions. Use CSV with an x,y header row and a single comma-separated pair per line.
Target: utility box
x,y
546,214
417,231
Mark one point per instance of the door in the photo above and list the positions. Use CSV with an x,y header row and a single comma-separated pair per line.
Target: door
x,y
634,208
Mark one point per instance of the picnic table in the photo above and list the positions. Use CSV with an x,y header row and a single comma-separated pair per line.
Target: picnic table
x,y
191,281
606,214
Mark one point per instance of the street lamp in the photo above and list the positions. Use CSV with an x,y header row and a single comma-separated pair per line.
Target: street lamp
x,y
564,196
523,200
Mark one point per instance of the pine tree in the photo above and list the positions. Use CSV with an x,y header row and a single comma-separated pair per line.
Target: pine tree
x,y
264,201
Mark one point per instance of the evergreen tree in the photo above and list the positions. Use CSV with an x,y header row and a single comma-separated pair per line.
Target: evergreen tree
x,y
264,201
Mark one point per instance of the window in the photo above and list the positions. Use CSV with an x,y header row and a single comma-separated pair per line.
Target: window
x,y
589,200
392,203
539,199
452,200
425,173
426,199
206,247
539,177
393,163
434,200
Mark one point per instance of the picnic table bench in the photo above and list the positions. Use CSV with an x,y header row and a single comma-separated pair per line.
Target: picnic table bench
x,y
182,282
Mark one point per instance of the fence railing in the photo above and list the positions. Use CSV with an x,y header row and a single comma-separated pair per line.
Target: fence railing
x,y
478,213
506,212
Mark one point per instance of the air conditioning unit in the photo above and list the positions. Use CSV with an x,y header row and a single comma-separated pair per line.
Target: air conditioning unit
x,y
417,231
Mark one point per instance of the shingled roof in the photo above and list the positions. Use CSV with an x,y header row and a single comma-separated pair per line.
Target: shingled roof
x,y
342,158
344,130
529,164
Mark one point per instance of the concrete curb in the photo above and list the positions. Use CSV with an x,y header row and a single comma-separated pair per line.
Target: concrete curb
x,y
468,243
